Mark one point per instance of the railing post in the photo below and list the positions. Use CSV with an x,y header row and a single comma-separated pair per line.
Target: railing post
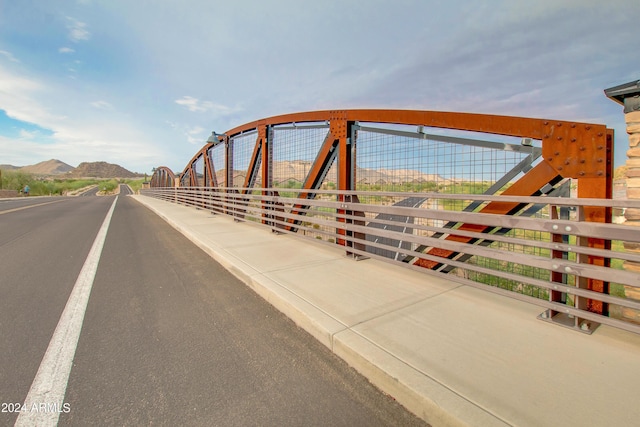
x,y
265,133
176,184
340,129
229,171
583,283
558,277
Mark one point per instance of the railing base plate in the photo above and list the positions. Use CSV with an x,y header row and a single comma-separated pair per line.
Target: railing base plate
x,y
356,257
569,321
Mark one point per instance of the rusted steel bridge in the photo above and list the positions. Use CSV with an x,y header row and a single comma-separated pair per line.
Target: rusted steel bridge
x,y
518,206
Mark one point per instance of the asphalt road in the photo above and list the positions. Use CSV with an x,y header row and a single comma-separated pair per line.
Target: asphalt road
x,y
169,337
93,191
15,204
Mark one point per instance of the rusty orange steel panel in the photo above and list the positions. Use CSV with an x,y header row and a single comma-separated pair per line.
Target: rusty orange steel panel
x,y
575,150
262,135
598,185
338,128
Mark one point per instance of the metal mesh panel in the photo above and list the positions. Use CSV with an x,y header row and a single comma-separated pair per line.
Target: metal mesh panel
x,y
242,147
533,211
184,180
393,162
198,166
218,160
295,149
618,289
420,163
512,267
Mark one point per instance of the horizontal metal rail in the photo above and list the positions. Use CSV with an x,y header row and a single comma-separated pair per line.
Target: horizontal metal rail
x,y
518,251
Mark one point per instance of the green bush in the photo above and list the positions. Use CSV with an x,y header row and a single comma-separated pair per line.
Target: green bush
x,y
108,186
15,180
135,184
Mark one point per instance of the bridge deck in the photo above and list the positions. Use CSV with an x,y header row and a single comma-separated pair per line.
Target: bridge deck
x,y
450,353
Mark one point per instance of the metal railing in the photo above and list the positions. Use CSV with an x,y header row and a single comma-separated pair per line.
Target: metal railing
x,y
548,255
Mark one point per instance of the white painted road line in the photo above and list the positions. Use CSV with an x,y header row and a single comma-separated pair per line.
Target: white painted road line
x,y
45,400
28,207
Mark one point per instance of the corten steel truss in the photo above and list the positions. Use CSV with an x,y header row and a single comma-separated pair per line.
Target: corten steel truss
x,y
580,151
163,177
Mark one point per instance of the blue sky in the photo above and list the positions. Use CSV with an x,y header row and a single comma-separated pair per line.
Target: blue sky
x,y
143,83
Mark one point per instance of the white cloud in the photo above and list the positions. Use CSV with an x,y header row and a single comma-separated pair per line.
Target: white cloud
x,y
18,100
195,135
77,134
28,135
197,106
15,151
194,104
66,50
102,105
77,30
9,56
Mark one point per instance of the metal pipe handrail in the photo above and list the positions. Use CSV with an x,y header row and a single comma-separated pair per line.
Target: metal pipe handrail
x,y
556,226
363,208
558,201
348,223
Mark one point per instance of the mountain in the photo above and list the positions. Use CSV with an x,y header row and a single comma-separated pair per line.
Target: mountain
x,y
49,167
56,168
297,170
9,167
101,170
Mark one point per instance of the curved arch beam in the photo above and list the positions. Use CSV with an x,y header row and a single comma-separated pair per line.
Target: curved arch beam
x,y
572,148
163,177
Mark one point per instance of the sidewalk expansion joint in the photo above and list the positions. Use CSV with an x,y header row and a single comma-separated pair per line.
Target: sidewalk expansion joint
x,y
402,307
312,304
301,265
432,378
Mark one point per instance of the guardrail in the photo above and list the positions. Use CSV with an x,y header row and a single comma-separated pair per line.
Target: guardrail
x,y
550,255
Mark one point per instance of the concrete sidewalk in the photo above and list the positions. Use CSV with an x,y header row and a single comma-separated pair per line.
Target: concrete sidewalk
x,y
450,353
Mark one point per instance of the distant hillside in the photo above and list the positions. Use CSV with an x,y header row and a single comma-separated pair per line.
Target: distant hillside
x,y
101,170
297,170
49,167
9,167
